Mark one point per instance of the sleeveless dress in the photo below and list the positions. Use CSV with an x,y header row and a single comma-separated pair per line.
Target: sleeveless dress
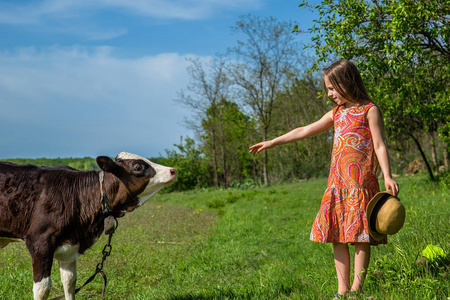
x,y
352,181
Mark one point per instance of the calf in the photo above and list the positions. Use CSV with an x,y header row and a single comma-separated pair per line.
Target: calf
x,y
57,211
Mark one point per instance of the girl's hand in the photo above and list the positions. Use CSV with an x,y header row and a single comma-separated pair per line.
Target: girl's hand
x,y
260,147
390,184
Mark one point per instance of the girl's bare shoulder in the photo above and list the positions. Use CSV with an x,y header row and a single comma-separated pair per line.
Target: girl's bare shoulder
x,y
373,111
374,115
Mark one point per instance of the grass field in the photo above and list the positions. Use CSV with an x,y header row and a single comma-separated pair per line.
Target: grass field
x,y
249,244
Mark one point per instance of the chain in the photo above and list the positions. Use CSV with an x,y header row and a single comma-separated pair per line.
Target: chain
x,y
99,268
106,252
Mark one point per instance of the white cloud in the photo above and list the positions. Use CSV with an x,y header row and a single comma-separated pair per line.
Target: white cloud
x,y
39,11
90,100
35,12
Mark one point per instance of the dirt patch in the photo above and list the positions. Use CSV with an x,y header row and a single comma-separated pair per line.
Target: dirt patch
x,y
415,166
162,223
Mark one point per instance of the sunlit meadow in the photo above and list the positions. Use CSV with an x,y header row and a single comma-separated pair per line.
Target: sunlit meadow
x,y
250,244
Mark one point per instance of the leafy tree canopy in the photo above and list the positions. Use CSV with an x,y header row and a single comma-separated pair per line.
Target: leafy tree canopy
x,y
402,49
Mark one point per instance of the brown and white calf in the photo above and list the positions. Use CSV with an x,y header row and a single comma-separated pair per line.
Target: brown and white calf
x,y
57,211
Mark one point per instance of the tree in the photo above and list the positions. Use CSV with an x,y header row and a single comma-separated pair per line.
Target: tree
x,y
233,128
402,48
261,64
203,93
298,105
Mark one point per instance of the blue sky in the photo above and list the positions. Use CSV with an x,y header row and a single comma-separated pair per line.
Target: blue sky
x,y
87,78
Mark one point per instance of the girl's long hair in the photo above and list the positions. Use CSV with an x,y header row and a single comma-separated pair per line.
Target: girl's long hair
x,y
345,78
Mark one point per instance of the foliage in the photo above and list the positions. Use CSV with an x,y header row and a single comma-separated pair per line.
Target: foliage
x,y
260,67
232,128
188,161
204,92
402,47
299,105
444,178
257,91
249,244
254,93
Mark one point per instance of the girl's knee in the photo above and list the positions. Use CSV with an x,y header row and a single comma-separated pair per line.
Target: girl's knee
x,y
362,246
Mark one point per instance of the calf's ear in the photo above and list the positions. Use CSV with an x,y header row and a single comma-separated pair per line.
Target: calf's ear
x,y
108,165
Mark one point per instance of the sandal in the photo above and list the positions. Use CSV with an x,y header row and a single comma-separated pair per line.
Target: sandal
x,y
338,296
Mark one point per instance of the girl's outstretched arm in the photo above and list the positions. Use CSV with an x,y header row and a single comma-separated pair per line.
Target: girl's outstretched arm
x,y
376,129
297,134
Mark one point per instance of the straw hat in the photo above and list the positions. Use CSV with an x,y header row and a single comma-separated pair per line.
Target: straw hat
x,y
385,215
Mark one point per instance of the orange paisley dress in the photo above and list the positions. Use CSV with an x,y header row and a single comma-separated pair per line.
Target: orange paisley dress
x,y
352,181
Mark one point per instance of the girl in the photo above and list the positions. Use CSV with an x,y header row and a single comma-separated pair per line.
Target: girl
x,y
358,137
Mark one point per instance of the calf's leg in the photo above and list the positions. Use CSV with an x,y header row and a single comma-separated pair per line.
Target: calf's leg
x,y
41,289
42,260
68,272
42,266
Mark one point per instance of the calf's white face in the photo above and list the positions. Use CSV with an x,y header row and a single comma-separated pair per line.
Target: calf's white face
x,y
163,177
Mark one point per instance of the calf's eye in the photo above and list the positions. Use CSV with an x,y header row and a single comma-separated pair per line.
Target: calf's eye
x,y
138,168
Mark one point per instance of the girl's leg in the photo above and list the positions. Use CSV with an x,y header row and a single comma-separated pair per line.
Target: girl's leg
x,y
362,258
342,262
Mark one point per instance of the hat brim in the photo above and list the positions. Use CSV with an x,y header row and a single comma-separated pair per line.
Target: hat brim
x,y
369,210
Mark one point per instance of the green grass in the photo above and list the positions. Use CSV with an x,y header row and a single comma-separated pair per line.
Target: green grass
x,y
249,244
